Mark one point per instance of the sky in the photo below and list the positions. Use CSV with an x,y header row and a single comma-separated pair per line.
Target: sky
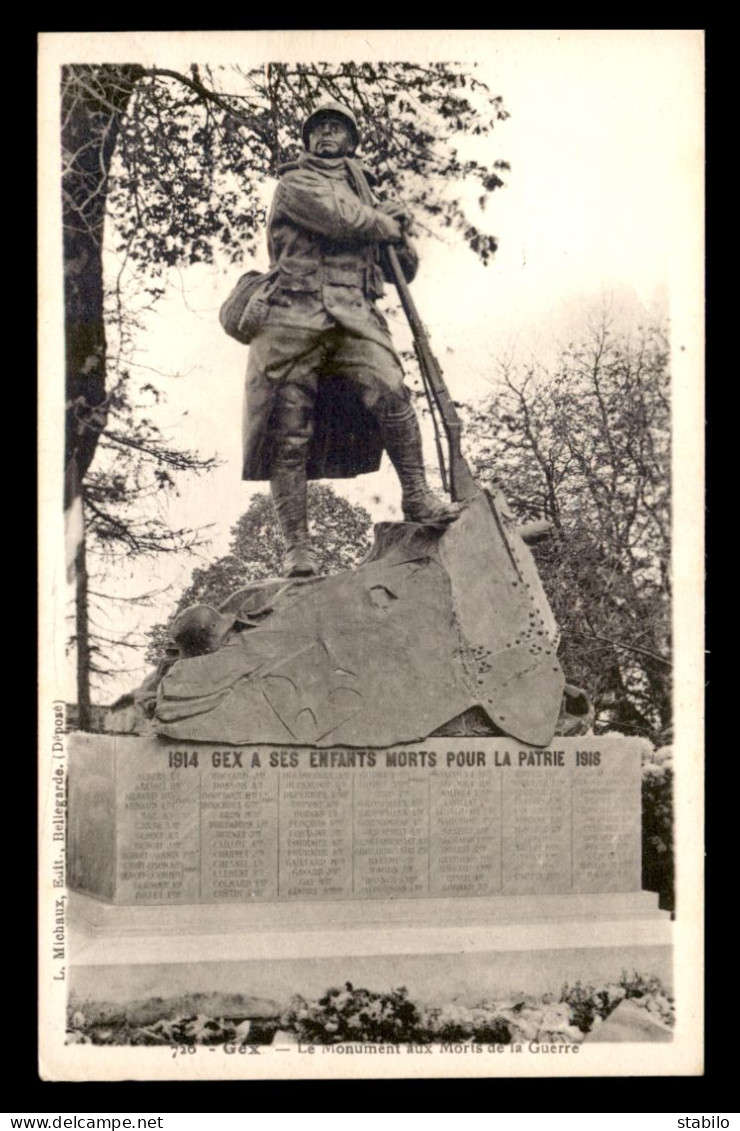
x,y
602,206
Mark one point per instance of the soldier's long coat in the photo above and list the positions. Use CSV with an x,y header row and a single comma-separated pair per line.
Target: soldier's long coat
x,y
326,273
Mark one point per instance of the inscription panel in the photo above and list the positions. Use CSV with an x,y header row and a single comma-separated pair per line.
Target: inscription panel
x,y
238,835
606,828
204,824
158,833
315,834
465,832
391,827
537,831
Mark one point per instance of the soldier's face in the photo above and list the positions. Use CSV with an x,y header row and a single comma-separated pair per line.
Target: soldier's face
x,y
330,137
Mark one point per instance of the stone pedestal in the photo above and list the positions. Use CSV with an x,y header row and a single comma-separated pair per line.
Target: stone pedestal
x,y
440,949
458,867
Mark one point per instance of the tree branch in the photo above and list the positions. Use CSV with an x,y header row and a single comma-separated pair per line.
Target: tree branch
x,y
629,647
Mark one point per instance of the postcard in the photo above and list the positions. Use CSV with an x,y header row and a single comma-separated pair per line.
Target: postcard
x,y
371,373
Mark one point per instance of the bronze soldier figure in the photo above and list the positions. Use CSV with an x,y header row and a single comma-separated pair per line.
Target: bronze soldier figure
x,y
325,392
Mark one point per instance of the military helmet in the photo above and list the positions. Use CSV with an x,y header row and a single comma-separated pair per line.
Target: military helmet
x,y
331,108
199,630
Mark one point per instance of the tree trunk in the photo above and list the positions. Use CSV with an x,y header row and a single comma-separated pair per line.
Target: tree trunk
x,y
84,717
93,100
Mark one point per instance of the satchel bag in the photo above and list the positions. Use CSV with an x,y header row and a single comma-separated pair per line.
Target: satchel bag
x,y
244,311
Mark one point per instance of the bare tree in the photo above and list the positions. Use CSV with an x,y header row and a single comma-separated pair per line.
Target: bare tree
x,y
585,444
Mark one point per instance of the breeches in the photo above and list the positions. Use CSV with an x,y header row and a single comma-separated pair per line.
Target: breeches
x,y
287,364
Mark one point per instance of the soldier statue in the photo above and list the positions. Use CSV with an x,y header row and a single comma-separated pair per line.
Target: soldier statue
x,y
325,392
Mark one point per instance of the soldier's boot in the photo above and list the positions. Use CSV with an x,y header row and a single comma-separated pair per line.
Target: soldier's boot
x,y
288,489
402,440
293,426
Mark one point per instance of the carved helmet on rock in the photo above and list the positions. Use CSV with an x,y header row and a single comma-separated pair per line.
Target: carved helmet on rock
x,y
198,630
334,108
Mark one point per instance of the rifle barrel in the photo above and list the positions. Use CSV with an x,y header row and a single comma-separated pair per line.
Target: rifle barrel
x,y
462,484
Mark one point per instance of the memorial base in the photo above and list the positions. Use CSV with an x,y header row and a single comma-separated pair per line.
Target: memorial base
x,y
497,945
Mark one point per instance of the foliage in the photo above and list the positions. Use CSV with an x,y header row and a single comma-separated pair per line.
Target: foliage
x,y
585,445
586,1002
350,1014
340,535
483,1024
649,991
124,494
657,827
126,484
182,1030
353,1014
590,1004
195,150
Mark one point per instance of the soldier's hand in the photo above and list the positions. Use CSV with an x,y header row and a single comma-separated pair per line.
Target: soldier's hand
x,y
398,212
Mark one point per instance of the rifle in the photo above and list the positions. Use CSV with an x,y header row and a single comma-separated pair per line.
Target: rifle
x,y
462,485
